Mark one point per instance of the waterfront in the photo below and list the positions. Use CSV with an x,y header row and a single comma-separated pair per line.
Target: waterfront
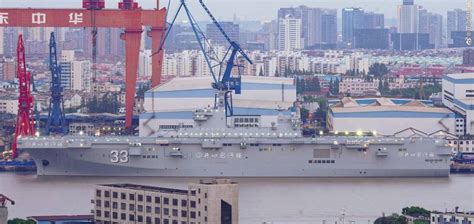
x,y
273,200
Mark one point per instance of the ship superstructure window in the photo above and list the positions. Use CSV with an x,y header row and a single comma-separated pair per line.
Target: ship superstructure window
x,y
247,121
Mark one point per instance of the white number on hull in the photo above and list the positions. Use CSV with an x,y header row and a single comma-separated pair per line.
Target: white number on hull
x,y
119,156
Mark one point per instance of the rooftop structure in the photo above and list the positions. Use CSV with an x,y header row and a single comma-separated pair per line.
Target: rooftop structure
x,y
385,117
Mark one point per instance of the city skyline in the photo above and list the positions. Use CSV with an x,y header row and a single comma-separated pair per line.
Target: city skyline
x,y
249,10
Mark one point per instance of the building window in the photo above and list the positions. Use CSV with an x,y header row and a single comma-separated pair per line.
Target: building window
x,y
107,204
183,213
98,213
114,205
192,215
157,220
131,218
114,215
140,218
98,193
140,208
148,209
123,216
106,214
148,199
107,194
157,210
148,219
175,212
205,195
166,201
123,196
132,197
157,200
123,206
114,194
166,211
166,221
98,203
175,202
184,203
140,197
131,207
193,204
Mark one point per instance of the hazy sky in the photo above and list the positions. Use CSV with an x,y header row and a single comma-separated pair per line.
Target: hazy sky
x,y
256,9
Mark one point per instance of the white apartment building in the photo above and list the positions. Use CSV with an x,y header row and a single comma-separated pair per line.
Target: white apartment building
x,y
75,74
408,18
206,202
144,63
289,34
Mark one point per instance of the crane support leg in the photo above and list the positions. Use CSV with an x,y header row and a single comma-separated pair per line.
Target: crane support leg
x,y
156,35
132,39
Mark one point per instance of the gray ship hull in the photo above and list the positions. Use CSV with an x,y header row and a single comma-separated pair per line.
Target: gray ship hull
x,y
239,157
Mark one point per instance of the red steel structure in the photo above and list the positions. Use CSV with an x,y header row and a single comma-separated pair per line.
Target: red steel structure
x,y
130,17
25,123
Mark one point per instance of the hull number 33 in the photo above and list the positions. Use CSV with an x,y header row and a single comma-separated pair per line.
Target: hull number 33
x,y
117,156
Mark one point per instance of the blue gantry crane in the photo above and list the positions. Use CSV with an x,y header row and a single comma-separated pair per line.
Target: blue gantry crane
x,y
56,119
224,82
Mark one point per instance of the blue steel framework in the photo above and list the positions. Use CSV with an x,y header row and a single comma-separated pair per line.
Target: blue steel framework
x,y
224,82
56,120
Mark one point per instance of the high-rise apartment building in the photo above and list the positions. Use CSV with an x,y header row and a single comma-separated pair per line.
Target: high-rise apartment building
x,y
408,17
289,34
432,24
318,26
352,18
75,74
214,34
456,21
206,202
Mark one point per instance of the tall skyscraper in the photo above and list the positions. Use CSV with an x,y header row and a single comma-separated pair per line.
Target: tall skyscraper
x,y
289,34
408,17
355,18
374,20
319,26
352,18
214,34
432,24
329,28
456,21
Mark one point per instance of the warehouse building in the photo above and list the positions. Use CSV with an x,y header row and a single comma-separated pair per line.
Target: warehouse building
x,y
172,104
388,117
206,202
458,95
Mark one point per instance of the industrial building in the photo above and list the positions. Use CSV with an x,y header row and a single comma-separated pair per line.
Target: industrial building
x,y
458,95
172,104
388,116
207,202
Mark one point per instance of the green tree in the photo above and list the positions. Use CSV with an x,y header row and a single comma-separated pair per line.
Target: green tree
x,y
20,221
378,70
393,219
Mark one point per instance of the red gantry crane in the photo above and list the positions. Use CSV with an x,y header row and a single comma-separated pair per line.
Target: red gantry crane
x,y
128,16
25,123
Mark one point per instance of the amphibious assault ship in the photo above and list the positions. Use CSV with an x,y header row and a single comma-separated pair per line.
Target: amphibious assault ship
x,y
221,146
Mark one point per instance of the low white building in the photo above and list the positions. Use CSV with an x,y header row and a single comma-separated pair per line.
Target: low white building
x,y
386,117
458,95
173,103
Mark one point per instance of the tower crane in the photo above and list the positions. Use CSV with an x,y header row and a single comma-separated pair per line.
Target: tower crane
x,y
225,83
25,124
56,119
